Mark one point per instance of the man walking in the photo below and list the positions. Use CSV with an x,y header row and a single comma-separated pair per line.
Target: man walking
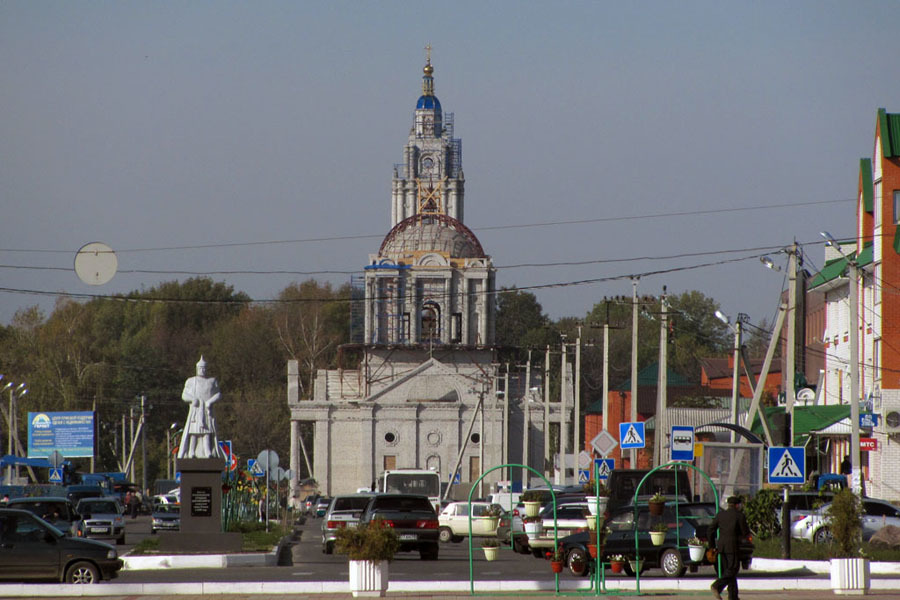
x,y
731,525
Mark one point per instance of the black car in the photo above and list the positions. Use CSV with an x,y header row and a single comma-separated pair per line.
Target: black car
x,y
32,549
413,518
58,511
692,519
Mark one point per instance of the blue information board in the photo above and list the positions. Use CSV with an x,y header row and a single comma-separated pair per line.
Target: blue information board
x,y
69,433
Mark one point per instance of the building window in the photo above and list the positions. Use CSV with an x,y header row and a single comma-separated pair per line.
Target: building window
x,y
389,462
456,328
876,360
896,206
431,322
474,468
390,438
433,462
405,326
475,438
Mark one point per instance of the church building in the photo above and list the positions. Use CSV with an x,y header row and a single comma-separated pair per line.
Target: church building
x,y
421,387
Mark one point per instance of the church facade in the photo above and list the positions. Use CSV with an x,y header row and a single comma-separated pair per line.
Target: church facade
x,y
423,389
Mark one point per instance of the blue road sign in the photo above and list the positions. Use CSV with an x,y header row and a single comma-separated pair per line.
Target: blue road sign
x,y
178,476
868,420
682,442
631,435
255,468
56,475
584,475
457,478
604,467
787,464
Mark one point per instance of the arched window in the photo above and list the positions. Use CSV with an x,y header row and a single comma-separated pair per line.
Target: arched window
x,y
431,322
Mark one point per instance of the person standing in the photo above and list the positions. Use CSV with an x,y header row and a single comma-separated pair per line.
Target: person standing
x,y
731,525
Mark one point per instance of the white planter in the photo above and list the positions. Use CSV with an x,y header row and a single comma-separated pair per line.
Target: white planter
x,y
657,537
850,576
597,504
532,508
368,578
696,552
490,553
533,529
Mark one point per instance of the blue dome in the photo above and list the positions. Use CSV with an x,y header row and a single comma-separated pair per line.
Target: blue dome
x,y
428,102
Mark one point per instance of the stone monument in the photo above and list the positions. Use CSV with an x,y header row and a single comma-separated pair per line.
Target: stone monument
x,y
201,463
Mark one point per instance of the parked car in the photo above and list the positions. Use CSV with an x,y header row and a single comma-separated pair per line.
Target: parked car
x,y
58,511
453,522
102,519
802,504
413,518
876,514
165,517
673,557
321,506
76,492
343,511
571,516
32,549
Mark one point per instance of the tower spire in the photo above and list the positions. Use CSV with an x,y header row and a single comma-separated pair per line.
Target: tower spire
x,y
427,79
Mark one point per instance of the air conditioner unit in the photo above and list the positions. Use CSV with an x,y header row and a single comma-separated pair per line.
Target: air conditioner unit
x,y
891,416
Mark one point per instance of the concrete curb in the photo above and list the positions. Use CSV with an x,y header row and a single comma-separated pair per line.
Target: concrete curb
x,y
199,561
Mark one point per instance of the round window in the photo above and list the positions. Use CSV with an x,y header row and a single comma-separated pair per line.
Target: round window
x,y
390,438
476,437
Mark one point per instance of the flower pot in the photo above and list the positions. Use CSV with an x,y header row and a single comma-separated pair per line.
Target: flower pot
x,y
657,537
656,508
616,566
556,565
490,552
490,523
592,550
533,529
532,508
850,576
696,552
592,522
596,504
368,578
636,565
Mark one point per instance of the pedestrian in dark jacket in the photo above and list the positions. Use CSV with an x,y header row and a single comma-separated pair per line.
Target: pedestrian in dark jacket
x,y
731,525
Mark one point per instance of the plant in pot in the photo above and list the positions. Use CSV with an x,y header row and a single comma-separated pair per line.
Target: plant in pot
x,y
658,533
491,547
656,504
596,540
696,548
532,500
492,516
533,527
849,568
370,547
617,563
557,559
596,496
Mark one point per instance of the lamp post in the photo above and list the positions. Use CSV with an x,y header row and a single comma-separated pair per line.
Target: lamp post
x,y
15,392
169,435
853,270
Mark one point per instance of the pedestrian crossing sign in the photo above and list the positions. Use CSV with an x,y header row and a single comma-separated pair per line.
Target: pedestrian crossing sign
x,y
584,475
787,464
631,435
56,475
604,467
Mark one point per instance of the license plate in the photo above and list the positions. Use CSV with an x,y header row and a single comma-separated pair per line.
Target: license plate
x,y
407,537
352,524
99,530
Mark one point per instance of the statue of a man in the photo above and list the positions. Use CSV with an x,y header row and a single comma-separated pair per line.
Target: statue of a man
x,y
199,438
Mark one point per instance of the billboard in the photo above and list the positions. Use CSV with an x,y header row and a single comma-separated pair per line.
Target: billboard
x,y
69,433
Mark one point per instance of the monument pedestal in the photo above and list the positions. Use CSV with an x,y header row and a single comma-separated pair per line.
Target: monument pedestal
x,y
201,510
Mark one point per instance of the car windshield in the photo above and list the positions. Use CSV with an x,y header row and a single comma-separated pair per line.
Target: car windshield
x,y
50,511
350,503
168,508
97,506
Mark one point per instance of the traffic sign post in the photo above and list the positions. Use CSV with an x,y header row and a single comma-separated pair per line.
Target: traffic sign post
x,y
787,464
56,475
604,467
682,443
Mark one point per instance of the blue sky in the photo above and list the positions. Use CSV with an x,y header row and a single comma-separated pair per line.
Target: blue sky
x,y
185,135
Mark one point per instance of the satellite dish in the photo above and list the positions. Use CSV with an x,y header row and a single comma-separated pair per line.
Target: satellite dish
x,y
96,263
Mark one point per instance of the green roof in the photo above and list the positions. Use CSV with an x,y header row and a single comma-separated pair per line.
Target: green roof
x,y
649,375
807,419
890,133
865,176
835,268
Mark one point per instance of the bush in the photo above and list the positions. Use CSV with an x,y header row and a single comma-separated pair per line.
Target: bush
x,y
372,541
763,514
845,522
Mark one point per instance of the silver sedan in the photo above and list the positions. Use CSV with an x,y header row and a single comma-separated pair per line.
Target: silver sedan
x,y
876,514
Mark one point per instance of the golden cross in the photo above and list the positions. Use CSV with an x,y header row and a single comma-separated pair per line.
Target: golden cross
x,y
428,53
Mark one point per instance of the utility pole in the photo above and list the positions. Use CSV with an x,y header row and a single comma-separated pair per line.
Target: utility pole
x,y
577,442
547,454
526,426
855,463
143,444
505,453
131,437
736,375
563,409
663,379
634,363
789,376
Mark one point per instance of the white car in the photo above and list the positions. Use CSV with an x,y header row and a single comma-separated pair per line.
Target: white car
x,y
876,514
453,522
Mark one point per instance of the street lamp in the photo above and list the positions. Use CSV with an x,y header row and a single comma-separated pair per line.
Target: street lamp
x,y
169,435
853,269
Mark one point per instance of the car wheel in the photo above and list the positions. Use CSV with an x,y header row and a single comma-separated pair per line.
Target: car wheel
x,y
577,561
429,552
445,535
82,572
328,548
671,563
822,536
520,545
537,553
152,531
121,540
